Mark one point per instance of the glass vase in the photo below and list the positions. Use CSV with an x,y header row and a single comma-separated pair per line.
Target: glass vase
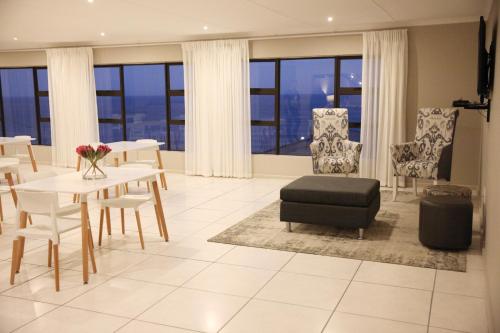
x,y
93,170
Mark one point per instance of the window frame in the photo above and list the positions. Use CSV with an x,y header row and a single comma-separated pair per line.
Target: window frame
x,y
121,93
276,91
37,94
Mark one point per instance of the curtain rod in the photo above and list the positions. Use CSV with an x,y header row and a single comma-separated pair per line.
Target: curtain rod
x,y
326,34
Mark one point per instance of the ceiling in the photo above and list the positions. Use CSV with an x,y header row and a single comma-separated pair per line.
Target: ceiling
x,y
54,23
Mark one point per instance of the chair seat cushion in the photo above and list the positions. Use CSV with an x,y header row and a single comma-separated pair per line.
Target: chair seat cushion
x,y
336,164
329,190
418,169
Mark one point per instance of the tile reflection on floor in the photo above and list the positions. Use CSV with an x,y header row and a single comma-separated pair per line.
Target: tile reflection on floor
x,y
191,285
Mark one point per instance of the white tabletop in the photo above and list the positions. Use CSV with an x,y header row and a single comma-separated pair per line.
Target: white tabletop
x,y
122,146
5,140
73,183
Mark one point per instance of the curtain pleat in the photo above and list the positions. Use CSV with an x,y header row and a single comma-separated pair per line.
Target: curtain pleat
x,y
385,62
72,100
217,104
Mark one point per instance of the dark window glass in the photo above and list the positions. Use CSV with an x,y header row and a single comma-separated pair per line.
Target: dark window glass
x,y
354,134
43,82
109,107
305,84
176,77
177,107
262,107
353,104
109,132
44,106
45,132
18,101
145,102
263,139
350,73
107,78
176,137
262,74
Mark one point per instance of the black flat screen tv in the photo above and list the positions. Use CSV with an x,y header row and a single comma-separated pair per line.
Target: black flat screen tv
x,y
482,63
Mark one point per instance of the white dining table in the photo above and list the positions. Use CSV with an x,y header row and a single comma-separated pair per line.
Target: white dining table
x,y
73,182
7,140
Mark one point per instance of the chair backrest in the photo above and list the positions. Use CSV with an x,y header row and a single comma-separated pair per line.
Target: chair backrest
x,y
33,202
330,128
435,129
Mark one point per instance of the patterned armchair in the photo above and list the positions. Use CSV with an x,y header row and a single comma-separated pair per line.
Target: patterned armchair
x,y
429,155
332,152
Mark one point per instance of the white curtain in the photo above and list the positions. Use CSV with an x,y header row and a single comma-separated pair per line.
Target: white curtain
x,y
217,101
73,106
385,59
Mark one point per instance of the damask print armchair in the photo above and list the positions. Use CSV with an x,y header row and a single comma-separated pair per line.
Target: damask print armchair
x,y
332,152
429,155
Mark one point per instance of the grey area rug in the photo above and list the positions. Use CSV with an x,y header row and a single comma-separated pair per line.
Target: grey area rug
x,y
391,238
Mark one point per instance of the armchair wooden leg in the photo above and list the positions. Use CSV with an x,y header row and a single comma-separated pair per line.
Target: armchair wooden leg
x,y
158,220
415,192
395,188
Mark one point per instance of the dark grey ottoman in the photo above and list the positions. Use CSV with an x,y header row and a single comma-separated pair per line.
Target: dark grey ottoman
x,y
337,201
445,222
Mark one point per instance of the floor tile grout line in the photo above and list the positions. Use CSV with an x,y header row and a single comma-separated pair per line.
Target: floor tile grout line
x,y
382,318
253,297
432,300
341,297
172,291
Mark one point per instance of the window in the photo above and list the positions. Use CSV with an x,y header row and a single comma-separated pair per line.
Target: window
x,y
110,103
175,111
145,102
141,102
349,92
264,101
284,92
24,103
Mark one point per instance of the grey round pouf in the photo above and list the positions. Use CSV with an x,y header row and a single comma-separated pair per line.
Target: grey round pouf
x,y
445,222
448,190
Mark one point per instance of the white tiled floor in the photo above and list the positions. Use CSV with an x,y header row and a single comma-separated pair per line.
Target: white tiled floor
x,y
191,285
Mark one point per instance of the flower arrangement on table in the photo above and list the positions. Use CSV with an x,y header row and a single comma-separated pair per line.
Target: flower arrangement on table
x,y
93,156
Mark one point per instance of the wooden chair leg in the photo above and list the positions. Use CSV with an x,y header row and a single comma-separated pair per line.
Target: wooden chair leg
x,y
1,209
122,217
29,219
49,261
158,221
91,251
139,228
101,225
20,255
395,188
97,195
56,264
15,258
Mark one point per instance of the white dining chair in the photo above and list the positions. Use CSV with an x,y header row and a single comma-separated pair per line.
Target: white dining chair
x,y
129,200
12,169
17,153
48,225
4,190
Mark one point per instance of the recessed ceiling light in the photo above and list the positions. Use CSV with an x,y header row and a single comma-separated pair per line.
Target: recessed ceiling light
x,y
102,34
90,1
14,38
205,27
329,19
